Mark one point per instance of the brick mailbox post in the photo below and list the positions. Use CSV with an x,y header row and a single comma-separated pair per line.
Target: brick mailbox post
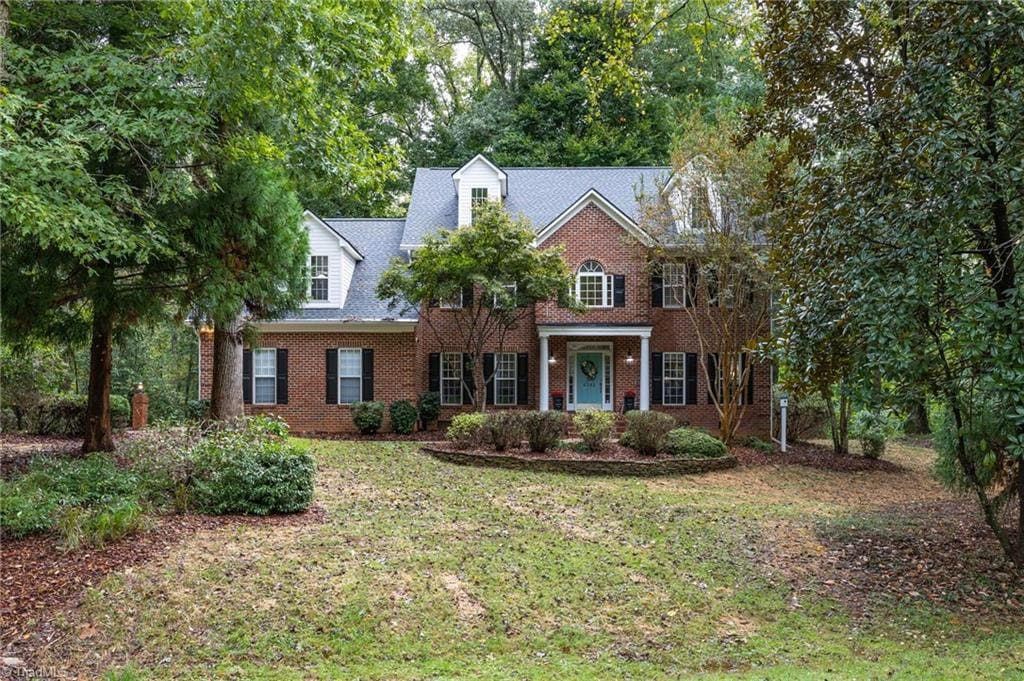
x,y
140,408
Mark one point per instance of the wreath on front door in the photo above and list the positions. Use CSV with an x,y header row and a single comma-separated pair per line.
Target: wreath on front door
x,y
589,369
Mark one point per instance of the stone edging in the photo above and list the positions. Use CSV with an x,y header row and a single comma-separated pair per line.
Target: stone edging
x,y
584,466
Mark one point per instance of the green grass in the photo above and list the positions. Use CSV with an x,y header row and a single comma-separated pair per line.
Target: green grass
x,y
427,570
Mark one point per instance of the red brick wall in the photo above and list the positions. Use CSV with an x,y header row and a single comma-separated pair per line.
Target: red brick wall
x,y
401,360
307,411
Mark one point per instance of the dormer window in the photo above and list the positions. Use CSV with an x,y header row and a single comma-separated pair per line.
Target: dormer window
x,y
694,200
593,286
477,198
318,280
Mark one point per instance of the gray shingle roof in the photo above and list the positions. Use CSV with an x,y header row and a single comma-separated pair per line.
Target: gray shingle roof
x,y
539,194
377,241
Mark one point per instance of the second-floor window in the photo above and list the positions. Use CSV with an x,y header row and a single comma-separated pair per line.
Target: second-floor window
x,y
676,284
318,280
593,286
478,195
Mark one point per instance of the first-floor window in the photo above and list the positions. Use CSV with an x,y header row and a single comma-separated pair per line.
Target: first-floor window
x,y
264,376
505,378
350,375
451,378
673,383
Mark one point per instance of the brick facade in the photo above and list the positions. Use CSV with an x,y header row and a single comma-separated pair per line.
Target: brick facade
x,y
401,359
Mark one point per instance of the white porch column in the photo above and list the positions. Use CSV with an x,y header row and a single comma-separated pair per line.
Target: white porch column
x,y
645,372
544,373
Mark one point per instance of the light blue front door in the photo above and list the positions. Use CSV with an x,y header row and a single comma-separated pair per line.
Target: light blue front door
x,y
589,379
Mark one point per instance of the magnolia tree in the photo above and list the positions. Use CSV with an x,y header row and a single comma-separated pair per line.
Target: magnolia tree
x,y
711,261
901,210
475,284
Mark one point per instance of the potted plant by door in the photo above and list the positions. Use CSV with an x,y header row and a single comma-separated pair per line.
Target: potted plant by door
x,y
629,401
558,400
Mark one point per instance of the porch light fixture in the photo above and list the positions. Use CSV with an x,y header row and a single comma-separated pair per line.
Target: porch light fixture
x,y
629,357
552,360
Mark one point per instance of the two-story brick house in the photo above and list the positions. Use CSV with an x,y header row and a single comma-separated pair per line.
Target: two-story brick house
x,y
634,338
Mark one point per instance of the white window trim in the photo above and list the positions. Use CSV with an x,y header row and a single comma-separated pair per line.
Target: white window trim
x,y
273,353
665,286
326,276
494,298
607,281
442,378
515,378
451,304
664,392
340,376
475,201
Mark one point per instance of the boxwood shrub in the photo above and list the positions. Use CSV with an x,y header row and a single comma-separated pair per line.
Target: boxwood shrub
x,y
646,431
403,416
368,416
543,429
690,443
467,430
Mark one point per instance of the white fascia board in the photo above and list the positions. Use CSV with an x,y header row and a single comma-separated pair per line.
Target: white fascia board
x,y
502,176
340,325
342,241
593,197
595,331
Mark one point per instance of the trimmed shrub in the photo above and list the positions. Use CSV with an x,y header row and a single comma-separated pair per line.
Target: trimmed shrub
x,y
542,429
428,405
872,429
235,472
646,431
595,428
62,415
690,443
368,416
403,416
503,429
758,444
467,430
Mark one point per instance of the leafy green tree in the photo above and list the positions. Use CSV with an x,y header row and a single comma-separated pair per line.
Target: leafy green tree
x,y
494,257
902,122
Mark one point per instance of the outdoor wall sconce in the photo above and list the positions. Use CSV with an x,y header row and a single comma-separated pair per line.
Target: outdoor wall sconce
x,y
629,357
552,360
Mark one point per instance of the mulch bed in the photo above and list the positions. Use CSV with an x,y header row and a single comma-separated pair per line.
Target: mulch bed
x,y
813,456
39,578
613,451
940,552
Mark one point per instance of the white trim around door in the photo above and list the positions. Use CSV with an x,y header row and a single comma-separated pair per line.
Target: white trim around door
x,y
607,352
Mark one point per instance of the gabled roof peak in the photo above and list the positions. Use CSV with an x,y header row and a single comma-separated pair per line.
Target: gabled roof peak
x,y
480,158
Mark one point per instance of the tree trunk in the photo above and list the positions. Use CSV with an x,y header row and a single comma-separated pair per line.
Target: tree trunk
x,y
839,423
97,414
226,393
917,420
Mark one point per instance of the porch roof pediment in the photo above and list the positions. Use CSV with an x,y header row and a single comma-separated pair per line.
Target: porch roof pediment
x,y
593,330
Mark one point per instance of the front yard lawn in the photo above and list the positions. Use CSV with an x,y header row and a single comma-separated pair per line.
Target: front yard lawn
x,y
422,569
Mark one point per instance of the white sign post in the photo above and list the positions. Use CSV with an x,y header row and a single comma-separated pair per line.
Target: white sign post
x,y
783,405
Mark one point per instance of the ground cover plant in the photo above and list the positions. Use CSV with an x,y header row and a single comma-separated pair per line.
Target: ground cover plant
x,y
426,570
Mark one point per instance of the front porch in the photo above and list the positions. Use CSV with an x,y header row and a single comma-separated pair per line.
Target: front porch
x,y
594,366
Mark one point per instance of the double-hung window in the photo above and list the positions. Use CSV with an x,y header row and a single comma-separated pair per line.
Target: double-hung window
x,y
593,286
451,378
505,378
675,284
318,280
264,375
511,290
453,303
673,382
350,375
478,196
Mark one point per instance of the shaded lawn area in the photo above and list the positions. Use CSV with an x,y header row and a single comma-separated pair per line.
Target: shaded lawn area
x,y
428,570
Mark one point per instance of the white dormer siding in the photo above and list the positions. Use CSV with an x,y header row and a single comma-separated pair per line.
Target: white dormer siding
x,y
684,196
479,174
341,261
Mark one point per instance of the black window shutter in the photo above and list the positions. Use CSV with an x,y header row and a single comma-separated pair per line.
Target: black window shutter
x,y
712,360
282,376
332,375
619,290
750,378
657,294
468,383
691,378
691,284
367,374
489,375
247,376
432,303
434,373
467,296
656,376
522,378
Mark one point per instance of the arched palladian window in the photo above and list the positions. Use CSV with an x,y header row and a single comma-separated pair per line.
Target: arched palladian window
x,y
593,286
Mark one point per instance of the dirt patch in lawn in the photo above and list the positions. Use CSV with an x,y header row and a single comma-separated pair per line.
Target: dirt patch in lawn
x,y
467,608
39,578
939,552
814,456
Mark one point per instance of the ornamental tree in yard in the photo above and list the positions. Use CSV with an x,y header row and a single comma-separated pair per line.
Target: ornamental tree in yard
x,y
481,281
900,206
711,260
